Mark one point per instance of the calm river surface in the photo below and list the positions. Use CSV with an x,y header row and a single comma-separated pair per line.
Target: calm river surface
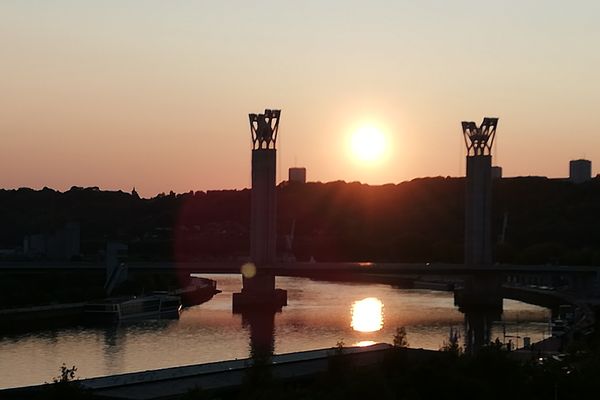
x,y
318,315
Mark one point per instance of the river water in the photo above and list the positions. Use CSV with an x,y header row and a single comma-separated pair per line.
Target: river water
x,y
318,315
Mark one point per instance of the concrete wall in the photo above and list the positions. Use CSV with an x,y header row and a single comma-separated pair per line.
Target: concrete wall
x,y
263,229
263,233
478,204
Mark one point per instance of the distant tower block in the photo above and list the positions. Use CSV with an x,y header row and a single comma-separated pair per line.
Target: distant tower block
x,y
479,140
496,172
580,171
297,175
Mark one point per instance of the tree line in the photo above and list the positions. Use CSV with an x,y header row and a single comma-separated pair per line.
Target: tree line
x,y
534,221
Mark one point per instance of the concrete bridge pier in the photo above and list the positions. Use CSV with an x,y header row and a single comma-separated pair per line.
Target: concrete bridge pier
x,y
481,301
478,328
478,251
262,333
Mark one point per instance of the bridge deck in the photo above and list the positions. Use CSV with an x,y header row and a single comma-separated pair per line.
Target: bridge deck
x,y
307,268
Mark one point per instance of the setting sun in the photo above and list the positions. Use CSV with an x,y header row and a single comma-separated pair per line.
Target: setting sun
x,y
368,143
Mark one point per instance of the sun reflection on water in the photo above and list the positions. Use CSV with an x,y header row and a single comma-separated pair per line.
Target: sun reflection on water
x,y
367,315
365,343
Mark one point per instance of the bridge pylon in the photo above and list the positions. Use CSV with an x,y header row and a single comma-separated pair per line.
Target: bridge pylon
x,y
478,200
258,282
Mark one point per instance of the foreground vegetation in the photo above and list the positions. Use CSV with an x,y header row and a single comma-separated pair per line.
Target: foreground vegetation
x,y
491,374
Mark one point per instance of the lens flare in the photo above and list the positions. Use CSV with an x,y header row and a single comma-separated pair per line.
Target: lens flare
x,y
248,270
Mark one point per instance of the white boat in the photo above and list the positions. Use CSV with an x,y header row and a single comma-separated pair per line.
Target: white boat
x,y
154,306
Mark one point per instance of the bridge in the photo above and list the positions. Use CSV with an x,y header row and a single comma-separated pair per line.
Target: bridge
x,y
480,284
521,282
308,268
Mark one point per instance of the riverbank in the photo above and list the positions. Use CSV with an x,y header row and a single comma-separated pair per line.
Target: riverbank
x,y
227,377
381,370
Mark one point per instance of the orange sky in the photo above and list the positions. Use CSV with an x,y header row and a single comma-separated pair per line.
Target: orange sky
x,y
156,94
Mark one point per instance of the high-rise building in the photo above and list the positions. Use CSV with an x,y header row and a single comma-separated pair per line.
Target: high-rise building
x,y
297,175
496,172
580,170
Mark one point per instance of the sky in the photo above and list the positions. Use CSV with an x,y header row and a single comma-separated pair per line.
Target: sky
x,y
156,94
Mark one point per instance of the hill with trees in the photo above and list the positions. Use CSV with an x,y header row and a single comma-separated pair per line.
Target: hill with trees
x,y
547,221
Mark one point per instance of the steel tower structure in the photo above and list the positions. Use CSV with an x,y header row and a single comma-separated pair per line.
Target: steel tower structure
x,y
479,141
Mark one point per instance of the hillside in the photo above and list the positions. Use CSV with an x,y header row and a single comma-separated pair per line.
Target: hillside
x,y
548,221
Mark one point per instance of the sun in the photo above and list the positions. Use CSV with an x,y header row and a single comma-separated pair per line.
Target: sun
x,y
368,144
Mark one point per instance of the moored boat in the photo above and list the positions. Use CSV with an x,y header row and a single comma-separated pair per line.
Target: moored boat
x,y
197,291
154,306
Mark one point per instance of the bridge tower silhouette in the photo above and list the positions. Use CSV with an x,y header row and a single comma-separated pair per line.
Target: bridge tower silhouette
x,y
480,298
258,282
478,201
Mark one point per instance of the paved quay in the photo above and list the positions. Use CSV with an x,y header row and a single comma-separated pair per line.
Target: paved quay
x,y
173,382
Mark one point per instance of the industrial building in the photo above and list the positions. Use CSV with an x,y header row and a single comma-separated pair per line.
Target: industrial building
x,y
62,244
